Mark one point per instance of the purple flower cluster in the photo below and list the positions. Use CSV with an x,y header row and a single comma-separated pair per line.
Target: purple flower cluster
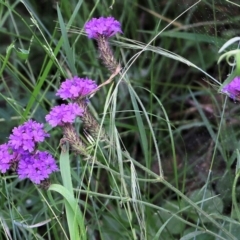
x,y
36,167
102,29
103,26
232,89
27,135
76,88
7,157
20,151
65,113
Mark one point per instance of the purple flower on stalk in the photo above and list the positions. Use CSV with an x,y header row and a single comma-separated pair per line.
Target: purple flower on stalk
x,y
103,26
37,167
76,87
7,157
232,89
27,135
65,113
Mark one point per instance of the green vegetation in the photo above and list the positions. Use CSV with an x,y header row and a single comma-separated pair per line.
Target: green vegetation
x,y
170,169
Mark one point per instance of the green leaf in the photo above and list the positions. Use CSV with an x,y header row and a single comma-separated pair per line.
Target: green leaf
x,y
22,53
75,220
65,169
66,44
228,43
238,161
174,225
210,203
190,233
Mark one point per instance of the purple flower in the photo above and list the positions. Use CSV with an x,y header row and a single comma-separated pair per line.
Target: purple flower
x,y
7,157
76,87
232,89
27,135
65,113
103,26
37,166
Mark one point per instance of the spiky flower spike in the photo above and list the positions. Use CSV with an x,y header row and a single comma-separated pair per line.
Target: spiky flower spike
x,y
232,89
102,29
78,89
63,116
91,125
71,136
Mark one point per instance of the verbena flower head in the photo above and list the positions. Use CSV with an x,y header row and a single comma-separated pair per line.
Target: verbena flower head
x,y
76,87
232,89
103,26
37,167
27,135
65,113
7,157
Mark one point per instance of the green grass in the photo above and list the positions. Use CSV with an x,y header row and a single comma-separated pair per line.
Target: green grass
x,y
171,168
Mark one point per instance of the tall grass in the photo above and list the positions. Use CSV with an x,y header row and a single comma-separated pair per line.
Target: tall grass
x,y
170,169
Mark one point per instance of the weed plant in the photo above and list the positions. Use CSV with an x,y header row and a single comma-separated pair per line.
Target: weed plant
x,y
162,161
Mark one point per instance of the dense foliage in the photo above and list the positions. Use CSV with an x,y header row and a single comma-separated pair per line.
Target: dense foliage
x,y
149,149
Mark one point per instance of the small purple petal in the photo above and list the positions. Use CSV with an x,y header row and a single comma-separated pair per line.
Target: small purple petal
x,y
37,167
76,87
232,89
27,135
6,157
65,113
103,26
